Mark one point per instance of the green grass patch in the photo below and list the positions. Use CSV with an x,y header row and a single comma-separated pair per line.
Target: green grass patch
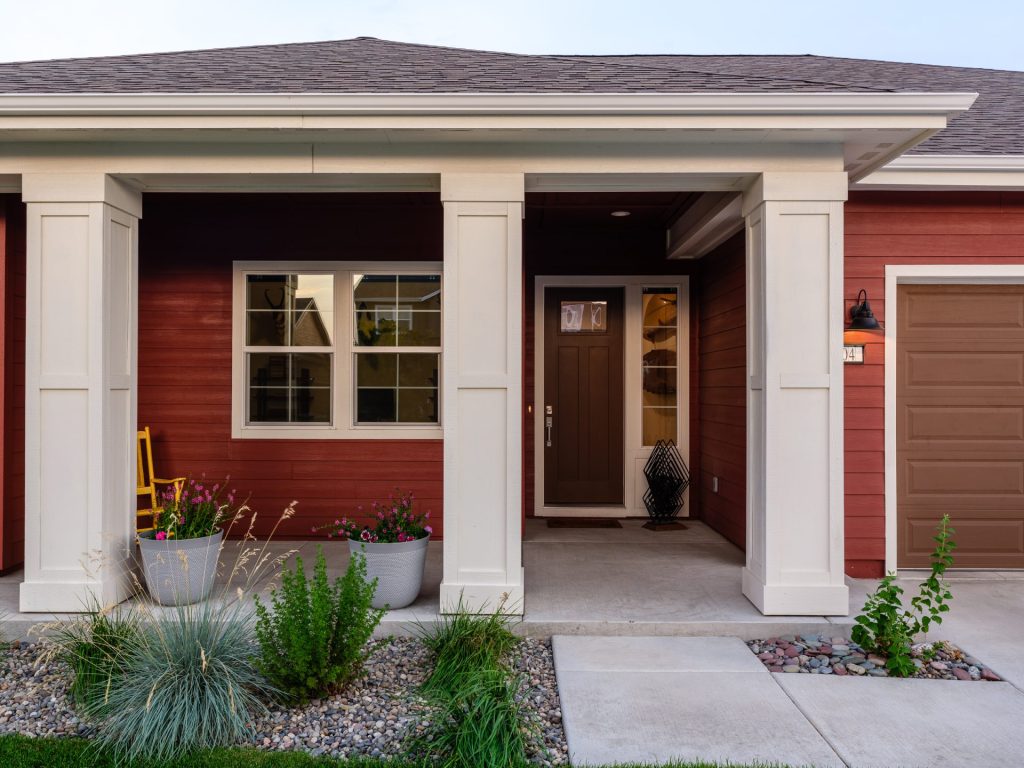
x,y
21,752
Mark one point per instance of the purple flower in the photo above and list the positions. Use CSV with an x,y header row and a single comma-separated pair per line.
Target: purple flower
x,y
428,529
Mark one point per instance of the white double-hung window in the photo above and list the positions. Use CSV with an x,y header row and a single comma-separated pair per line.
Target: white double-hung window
x,y
336,349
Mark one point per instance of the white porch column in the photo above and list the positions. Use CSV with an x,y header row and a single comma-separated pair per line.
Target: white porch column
x,y
80,401
482,398
795,394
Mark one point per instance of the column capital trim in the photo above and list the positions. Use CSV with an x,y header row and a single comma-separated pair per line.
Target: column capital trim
x,y
81,188
483,187
792,186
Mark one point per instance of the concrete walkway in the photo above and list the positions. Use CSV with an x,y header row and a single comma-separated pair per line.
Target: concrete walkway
x,y
657,699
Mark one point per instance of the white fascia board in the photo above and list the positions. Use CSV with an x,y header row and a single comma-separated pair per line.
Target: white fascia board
x,y
220,104
949,172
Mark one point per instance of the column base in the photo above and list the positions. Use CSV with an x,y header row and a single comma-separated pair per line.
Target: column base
x,y
484,598
70,596
796,599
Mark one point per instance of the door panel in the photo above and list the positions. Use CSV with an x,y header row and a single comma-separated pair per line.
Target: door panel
x,y
583,385
960,422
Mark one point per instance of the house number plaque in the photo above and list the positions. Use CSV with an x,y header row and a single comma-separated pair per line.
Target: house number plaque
x,y
853,354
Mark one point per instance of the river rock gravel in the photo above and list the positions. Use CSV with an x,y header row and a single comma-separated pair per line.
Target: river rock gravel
x,y
372,717
822,655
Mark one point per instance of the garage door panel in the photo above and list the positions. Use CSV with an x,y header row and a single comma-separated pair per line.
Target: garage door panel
x,y
955,424
982,542
960,422
960,478
953,312
963,370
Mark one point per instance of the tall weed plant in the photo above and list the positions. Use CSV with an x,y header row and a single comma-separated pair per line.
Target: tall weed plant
x,y
313,636
888,627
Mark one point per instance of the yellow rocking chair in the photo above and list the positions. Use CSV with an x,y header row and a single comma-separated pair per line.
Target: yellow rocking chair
x,y
146,484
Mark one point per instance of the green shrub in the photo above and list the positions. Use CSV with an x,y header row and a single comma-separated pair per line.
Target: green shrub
x,y
313,637
187,683
887,627
96,649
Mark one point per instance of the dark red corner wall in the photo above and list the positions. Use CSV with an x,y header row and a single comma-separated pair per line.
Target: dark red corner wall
x,y
881,228
12,388
721,410
187,245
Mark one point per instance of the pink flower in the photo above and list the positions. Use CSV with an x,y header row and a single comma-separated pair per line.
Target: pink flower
x,y
428,529
160,536
181,520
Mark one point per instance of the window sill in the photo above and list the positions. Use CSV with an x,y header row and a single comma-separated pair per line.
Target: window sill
x,y
404,432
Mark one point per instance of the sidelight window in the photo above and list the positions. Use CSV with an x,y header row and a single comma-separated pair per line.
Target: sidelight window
x,y
660,364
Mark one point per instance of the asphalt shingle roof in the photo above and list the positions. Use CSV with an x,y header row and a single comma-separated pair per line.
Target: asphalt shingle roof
x,y
369,65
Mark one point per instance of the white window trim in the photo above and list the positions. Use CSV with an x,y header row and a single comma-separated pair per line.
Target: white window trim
x,y
920,274
343,374
635,454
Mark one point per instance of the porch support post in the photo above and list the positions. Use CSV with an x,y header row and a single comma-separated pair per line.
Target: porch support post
x,y
80,401
794,224
482,397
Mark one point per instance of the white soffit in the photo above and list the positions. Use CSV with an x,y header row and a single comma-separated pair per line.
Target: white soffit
x,y
948,172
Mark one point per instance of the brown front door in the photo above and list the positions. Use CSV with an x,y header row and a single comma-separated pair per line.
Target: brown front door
x,y
960,422
583,372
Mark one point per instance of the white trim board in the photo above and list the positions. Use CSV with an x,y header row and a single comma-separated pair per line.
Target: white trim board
x,y
634,453
927,274
948,172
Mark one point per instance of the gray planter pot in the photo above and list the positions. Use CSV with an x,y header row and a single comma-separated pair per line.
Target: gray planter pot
x,y
180,572
397,567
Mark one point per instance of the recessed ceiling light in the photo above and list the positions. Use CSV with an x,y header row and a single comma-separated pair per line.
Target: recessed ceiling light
x,y
620,214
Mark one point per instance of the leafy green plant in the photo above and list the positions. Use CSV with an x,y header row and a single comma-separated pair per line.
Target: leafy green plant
x,y
186,683
886,626
96,650
313,636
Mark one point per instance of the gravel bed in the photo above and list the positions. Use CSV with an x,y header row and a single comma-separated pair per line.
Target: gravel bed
x,y
822,655
533,660
372,717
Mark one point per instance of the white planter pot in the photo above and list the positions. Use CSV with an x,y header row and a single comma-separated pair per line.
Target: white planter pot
x,y
397,567
180,572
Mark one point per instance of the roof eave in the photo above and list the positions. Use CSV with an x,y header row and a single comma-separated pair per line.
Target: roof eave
x,y
397,104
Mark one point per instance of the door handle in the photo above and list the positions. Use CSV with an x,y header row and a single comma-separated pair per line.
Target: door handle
x,y
549,423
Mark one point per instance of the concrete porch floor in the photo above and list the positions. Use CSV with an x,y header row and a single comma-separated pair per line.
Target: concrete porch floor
x,y
595,581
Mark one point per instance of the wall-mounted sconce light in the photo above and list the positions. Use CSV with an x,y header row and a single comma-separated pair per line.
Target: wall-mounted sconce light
x,y
861,316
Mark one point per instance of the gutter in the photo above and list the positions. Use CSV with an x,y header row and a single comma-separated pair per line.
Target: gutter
x,y
426,104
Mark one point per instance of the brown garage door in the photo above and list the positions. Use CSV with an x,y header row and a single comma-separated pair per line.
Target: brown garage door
x,y
960,422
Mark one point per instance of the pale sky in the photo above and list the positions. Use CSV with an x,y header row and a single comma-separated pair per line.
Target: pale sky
x,y
978,33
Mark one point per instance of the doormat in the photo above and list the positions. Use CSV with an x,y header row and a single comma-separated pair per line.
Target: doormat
x,y
583,522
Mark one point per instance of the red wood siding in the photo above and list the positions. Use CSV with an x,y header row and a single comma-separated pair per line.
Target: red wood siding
x,y
12,391
904,228
722,387
187,245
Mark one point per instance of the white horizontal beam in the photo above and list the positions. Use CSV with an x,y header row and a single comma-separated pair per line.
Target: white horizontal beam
x,y
486,104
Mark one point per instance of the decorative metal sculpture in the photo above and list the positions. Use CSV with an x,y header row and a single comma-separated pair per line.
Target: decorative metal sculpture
x,y
667,480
